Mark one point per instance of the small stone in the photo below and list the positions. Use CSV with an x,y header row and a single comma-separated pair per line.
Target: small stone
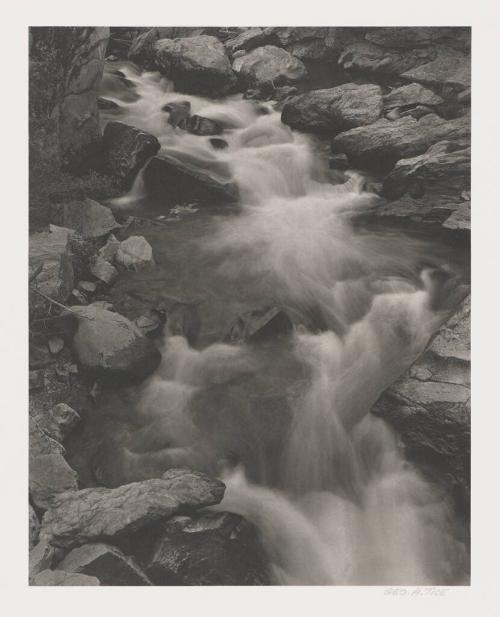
x,y
56,345
103,270
135,252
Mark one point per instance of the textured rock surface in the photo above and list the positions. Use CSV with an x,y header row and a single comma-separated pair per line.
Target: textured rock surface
x,y
49,474
412,94
171,181
58,578
110,343
450,69
135,252
246,40
58,421
126,150
197,64
430,407
213,548
89,218
381,144
269,64
333,110
106,563
91,514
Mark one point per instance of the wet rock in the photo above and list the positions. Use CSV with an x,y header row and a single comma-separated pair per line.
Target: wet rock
x,y
412,94
198,125
103,270
218,144
338,161
381,144
115,84
178,113
89,218
173,181
106,563
198,64
58,578
213,548
430,407
246,40
56,345
49,474
91,514
107,105
449,71
260,324
269,64
135,252
126,150
334,110
58,422
109,343
34,527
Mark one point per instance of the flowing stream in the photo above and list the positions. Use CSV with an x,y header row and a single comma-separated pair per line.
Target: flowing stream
x,y
287,423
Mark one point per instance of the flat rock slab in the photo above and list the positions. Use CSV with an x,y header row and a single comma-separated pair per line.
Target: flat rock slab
x,y
78,517
106,563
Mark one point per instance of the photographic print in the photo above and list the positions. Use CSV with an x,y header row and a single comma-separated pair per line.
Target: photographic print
x,y
249,306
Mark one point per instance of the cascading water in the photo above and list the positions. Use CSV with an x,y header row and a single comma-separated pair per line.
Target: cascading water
x,y
338,504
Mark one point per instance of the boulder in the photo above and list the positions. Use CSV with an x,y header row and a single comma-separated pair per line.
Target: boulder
x,y
89,218
178,113
429,407
218,144
106,563
34,527
142,50
212,548
58,578
49,474
109,343
410,95
103,270
78,517
172,181
198,125
197,64
260,324
246,40
135,252
269,64
107,105
333,110
380,144
321,44
126,150
449,71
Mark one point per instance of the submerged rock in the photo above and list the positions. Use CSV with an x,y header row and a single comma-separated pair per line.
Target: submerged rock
x,y
178,113
269,64
106,563
92,514
108,342
334,110
198,125
172,181
260,324
197,64
126,150
212,548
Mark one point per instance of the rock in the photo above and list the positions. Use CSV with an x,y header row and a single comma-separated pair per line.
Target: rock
x,y
103,270
178,113
148,324
51,578
58,422
78,298
173,181
460,218
450,71
126,150
106,563
135,252
212,548
412,94
83,53
49,474
338,161
41,557
269,64
429,407
217,143
89,218
245,41
198,64
381,144
34,527
411,37
334,110
109,343
107,105
51,251
203,126
260,324
315,44
108,251
100,514
87,287
443,170
56,345
143,50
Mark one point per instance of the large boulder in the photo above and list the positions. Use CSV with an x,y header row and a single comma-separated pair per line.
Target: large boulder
x,y
108,343
126,150
212,548
333,110
269,65
430,407
97,514
449,71
89,218
197,64
173,181
246,40
106,563
380,144
313,44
